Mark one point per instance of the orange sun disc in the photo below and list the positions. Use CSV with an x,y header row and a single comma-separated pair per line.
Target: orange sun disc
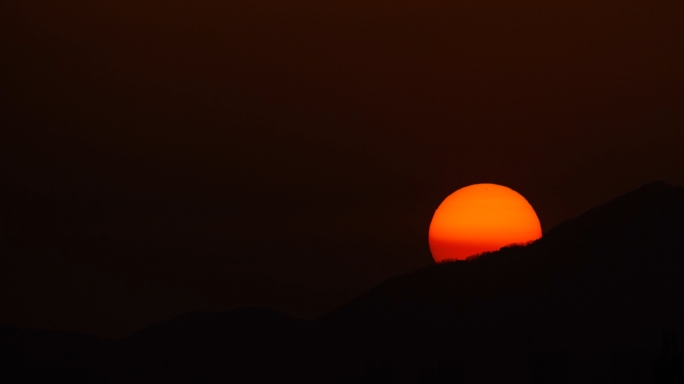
x,y
481,218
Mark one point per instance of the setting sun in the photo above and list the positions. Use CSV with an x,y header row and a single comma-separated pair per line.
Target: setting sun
x,y
481,218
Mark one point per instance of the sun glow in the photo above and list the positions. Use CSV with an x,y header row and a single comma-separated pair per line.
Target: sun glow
x,y
481,218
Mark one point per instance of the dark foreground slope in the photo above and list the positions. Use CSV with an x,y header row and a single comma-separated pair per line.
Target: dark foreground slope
x,y
599,299
587,303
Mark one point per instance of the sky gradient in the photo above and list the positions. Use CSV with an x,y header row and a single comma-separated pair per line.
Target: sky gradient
x,y
291,154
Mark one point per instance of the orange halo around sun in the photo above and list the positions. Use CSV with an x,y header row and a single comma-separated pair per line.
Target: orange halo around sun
x,y
481,218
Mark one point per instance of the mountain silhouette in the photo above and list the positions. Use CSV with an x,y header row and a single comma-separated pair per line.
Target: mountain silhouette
x,y
600,298
599,290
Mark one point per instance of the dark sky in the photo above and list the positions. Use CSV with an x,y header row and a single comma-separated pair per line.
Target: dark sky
x,y
290,154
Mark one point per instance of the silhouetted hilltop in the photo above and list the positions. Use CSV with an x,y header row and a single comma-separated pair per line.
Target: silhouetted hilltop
x,y
252,330
608,282
640,217
238,345
213,326
599,299
30,356
614,234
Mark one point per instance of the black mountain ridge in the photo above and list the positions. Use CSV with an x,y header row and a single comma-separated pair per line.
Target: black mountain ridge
x,y
600,298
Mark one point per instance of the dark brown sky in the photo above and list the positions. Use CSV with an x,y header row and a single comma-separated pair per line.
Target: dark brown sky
x,y
291,153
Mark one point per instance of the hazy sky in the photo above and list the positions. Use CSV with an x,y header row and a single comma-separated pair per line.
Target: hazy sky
x,y
292,152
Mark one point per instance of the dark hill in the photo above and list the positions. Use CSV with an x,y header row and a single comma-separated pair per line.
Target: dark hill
x,y
248,344
599,299
623,231
596,293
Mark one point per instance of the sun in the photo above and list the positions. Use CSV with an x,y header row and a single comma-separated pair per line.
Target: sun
x,y
481,218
